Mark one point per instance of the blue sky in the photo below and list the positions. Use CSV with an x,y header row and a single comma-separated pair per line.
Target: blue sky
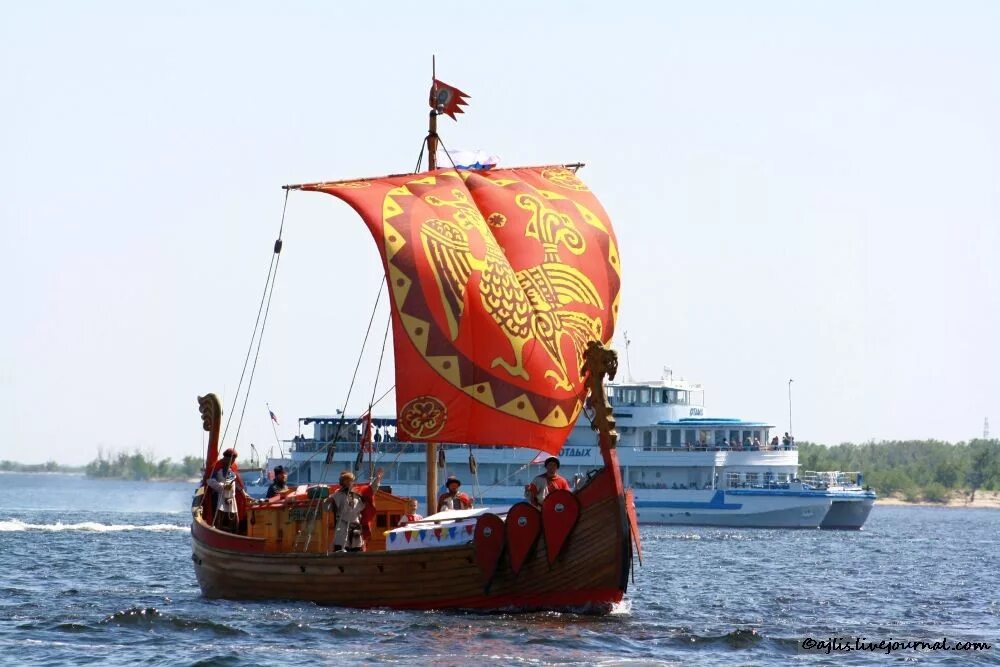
x,y
800,189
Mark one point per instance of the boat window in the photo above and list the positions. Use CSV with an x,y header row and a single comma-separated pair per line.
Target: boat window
x,y
631,396
669,396
675,437
733,480
719,437
690,436
781,478
753,478
647,440
682,397
756,434
656,396
661,437
644,396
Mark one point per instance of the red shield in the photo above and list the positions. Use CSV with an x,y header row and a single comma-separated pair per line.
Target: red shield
x,y
560,512
524,525
489,541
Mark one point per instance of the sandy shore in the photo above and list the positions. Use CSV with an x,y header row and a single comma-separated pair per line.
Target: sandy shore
x,y
984,500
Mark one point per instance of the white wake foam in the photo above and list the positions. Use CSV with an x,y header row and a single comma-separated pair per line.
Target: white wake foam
x,y
16,525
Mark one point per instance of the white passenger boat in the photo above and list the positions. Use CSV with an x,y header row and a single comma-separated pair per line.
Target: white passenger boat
x,y
685,468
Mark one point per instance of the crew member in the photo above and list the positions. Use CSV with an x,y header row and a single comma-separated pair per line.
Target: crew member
x,y
226,485
546,483
452,499
280,483
348,505
411,515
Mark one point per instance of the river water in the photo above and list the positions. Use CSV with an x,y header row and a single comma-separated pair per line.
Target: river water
x,y
99,572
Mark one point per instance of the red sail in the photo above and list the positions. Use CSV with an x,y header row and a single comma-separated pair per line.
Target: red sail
x,y
498,281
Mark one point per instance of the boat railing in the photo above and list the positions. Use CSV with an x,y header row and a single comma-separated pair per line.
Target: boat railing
x,y
310,445
761,485
825,479
712,448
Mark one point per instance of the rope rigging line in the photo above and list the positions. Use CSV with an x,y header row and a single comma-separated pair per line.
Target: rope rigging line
x,y
275,255
260,338
354,377
447,154
420,157
371,403
313,509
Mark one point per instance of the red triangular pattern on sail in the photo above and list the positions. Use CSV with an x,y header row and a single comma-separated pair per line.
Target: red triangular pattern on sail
x,y
498,280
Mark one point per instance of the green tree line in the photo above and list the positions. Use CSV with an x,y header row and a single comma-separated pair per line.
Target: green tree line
x,y
139,466
928,470
48,466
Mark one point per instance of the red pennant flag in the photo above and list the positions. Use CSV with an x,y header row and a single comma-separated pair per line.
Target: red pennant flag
x,y
447,99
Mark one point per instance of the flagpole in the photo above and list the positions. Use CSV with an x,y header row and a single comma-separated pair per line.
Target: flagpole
x,y
791,431
274,430
432,142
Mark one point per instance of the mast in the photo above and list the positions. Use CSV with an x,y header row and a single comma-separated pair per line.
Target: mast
x,y
432,143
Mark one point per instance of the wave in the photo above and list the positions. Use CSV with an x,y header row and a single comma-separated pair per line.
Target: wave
x,y
153,617
16,525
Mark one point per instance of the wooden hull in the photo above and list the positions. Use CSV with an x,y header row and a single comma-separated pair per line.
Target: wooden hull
x,y
590,573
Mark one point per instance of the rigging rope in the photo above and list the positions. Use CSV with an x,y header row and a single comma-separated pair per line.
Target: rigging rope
x,y
271,270
371,403
350,388
453,165
420,157
314,507
267,309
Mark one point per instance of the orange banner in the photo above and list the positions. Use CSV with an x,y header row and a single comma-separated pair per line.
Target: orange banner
x,y
498,281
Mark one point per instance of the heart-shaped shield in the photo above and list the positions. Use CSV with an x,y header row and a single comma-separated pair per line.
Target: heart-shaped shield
x,y
560,512
524,525
489,541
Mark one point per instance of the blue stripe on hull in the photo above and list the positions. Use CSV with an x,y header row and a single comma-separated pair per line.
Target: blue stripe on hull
x,y
718,502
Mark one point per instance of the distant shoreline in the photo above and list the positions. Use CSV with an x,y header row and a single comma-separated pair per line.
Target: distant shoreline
x,y
82,473
984,500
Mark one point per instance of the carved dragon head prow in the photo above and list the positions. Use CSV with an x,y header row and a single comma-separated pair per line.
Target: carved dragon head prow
x,y
211,412
599,361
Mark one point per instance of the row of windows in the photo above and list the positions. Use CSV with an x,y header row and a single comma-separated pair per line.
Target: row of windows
x,y
647,396
704,437
736,480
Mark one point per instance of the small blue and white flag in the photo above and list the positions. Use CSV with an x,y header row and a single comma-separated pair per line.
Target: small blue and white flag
x,y
463,159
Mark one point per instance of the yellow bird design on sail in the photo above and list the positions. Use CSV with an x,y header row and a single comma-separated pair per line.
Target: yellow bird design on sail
x,y
530,304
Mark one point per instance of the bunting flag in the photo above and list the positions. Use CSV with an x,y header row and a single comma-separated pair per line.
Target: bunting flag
x,y
447,99
499,279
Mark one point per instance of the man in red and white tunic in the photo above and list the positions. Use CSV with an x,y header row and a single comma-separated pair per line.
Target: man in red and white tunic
x,y
545,483
452,499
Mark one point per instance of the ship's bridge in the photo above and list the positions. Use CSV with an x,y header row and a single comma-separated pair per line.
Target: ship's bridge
x,y
649,402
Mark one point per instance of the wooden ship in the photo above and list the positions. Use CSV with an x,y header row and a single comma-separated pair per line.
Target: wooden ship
x,y
504,290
